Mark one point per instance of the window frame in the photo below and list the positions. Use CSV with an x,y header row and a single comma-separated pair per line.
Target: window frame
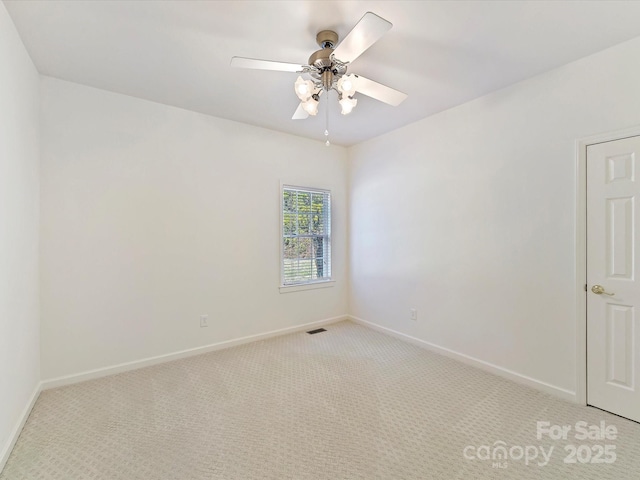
x,y
311,284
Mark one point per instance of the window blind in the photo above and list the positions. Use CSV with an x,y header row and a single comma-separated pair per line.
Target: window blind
x,y
306,235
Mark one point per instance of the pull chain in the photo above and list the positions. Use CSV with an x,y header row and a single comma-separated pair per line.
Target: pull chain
x,y
326,130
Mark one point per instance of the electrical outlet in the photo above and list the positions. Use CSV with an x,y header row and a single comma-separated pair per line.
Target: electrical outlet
x,y
413,314
204,321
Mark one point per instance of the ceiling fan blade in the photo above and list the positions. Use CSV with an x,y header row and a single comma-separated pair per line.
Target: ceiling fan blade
x,y
378,91
300,113
242,62
367,31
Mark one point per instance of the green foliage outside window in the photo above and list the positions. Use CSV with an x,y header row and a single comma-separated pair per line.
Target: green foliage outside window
x,y
305,235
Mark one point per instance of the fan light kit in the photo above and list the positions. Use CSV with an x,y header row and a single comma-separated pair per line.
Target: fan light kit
x,y
327,69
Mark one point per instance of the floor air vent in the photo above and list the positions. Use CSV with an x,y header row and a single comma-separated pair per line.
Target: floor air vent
x,y
317,330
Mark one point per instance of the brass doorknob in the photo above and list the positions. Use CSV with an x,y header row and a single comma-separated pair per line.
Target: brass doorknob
x,y
599,290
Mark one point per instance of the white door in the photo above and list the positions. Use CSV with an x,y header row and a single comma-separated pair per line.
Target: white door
x,y
613,289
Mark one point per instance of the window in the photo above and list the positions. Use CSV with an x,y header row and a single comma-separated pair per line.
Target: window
x,y
306,235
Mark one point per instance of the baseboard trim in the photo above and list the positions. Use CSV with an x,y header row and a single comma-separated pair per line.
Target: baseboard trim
x,y
17,429
474,362
147,362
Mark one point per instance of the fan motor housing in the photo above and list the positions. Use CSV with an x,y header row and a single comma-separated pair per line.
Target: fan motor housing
x,y
321,59
326,70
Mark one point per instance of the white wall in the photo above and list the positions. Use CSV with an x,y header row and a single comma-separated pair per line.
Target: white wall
x,y
19,166
469,216
153,215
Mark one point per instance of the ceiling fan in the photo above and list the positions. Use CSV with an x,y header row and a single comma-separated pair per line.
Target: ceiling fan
x,y
328,69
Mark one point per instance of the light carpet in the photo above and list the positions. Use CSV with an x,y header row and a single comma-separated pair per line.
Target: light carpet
x,y
348,403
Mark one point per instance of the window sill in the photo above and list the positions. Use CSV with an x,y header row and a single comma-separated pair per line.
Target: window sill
x,y
306,286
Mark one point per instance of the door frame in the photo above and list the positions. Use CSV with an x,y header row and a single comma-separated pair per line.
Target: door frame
x,y
581,145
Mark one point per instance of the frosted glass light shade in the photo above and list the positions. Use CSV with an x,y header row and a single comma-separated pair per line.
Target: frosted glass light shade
x,y
304,89
347,85
347,105
310,106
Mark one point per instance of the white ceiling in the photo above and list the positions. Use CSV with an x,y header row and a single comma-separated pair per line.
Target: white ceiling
x,y
441,53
